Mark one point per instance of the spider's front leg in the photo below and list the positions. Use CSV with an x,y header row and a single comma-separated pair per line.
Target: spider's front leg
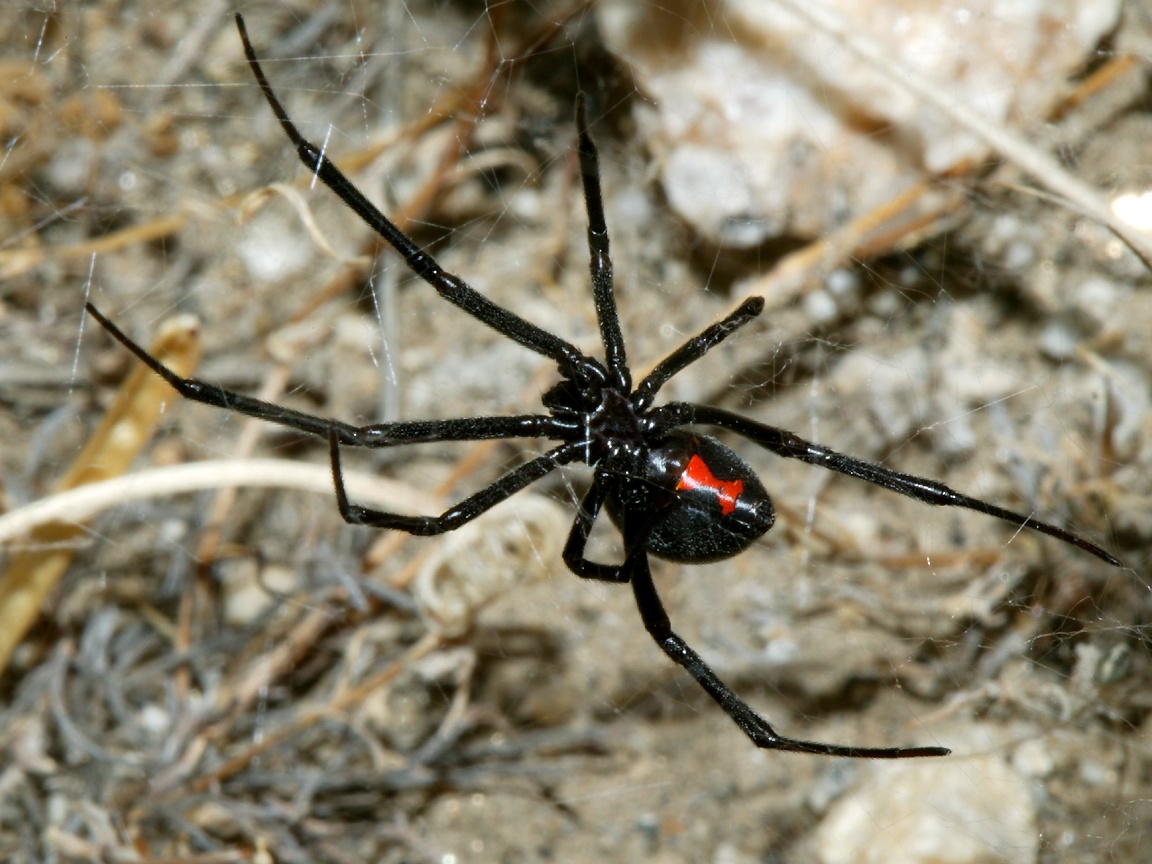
x,y
376,435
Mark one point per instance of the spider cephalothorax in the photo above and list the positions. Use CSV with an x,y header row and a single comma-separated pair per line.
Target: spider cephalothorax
x,y
674,493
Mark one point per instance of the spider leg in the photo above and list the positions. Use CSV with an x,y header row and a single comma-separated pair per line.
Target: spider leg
x,y
451,288
453,517
694,349
599,261
573,554
792,446
600,265
373,435
757,729
635,569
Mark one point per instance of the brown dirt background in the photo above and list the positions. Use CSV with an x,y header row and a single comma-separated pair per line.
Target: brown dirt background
x,y
554,729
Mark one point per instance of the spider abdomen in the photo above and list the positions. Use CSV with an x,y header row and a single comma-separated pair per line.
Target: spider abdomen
x,y
706,501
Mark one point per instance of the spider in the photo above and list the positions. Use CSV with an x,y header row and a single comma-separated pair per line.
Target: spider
x,y
672,493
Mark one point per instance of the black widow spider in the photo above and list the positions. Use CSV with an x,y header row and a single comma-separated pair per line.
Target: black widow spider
x,y
675,494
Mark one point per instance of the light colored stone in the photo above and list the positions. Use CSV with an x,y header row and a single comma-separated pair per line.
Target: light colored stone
x,y
956,810
762,127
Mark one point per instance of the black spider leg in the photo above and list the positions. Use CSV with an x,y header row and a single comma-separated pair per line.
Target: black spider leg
x,y
600,266
694,349
466,510
792,446
573,554
373,435
599,261
452,288
635,569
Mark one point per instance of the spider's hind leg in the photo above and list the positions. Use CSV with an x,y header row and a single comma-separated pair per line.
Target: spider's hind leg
x,y
757,729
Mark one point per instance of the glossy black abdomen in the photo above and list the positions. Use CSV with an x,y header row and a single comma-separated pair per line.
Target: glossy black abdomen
x,y
706,503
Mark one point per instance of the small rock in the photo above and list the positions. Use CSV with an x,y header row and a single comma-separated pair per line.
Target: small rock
x,y
950,811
